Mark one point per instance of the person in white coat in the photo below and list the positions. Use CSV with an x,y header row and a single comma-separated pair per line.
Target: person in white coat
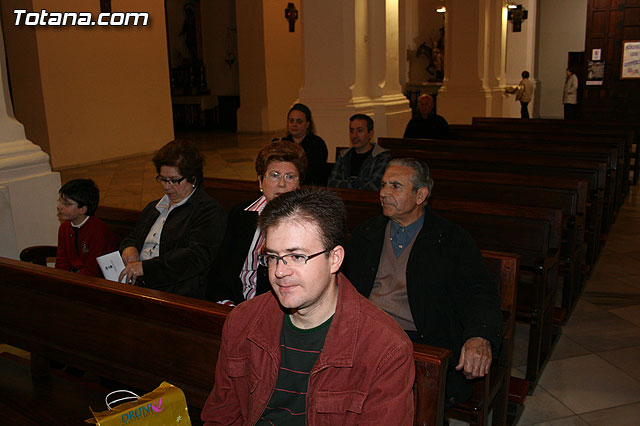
x,y
570,96
524,94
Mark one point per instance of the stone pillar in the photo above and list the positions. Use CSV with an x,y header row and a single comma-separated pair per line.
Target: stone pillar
x,y
496,58
28,188
351,65
475,46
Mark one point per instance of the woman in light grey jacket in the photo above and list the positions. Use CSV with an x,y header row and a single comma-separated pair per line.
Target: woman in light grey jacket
x,y
570,96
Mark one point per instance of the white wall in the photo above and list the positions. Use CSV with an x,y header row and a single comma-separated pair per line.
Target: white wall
x,y
562,29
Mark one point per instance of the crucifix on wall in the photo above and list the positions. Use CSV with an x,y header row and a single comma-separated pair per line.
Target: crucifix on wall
x,y
291,15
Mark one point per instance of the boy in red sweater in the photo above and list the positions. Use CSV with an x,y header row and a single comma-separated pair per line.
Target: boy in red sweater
x,y
81,237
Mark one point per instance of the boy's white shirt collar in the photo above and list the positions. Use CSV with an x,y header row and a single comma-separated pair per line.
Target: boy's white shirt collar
x,y
83,222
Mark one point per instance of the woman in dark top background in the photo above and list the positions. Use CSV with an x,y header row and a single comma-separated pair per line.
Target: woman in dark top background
x,y
300,130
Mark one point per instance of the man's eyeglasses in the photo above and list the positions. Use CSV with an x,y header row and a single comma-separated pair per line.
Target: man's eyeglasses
x,y
161,179
65,202
271,260
275,176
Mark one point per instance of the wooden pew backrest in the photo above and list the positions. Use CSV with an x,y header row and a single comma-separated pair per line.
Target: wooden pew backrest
x,y
133,335
140,337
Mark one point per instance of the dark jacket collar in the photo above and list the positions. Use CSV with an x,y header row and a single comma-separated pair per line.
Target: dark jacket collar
x,y
432,226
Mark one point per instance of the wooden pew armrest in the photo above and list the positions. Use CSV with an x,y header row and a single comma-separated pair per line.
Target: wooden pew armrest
x,y
38,254
428,389
551,260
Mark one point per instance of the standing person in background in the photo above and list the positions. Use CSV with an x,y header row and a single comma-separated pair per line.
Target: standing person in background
x,y
570,96
301,131
524,95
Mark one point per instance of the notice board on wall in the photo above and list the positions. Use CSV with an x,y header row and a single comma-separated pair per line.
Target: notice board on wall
x,y
630,59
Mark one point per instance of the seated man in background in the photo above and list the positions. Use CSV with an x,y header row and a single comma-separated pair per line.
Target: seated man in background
x,y
81,237
428,274
427,124
312,351
361,166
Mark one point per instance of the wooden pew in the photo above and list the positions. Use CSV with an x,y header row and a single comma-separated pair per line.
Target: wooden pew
x,y
534,234
129,334
230,192
566,194
592,172
613,193
630,132
538,237
140,337
531,232
360,205
600,183
573,248
615,146
121,221
492,392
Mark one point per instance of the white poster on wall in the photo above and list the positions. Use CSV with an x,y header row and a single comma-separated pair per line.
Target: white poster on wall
x,y
630,59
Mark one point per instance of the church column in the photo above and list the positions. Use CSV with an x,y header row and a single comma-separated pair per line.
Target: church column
x,y
28,188
474,60
350,56
391,107
497,55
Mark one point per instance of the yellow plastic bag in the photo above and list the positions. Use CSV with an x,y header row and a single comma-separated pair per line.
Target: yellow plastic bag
x,y
164,406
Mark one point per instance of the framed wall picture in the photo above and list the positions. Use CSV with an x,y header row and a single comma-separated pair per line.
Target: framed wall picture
x,y
595,73
630,59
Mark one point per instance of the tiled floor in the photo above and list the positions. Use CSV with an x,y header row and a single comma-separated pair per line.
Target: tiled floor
x,y
593,377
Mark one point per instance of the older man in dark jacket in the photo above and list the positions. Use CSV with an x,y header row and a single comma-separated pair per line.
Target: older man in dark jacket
x,y
428,274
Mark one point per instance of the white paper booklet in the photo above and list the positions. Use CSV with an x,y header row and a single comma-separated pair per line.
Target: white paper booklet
x,y
111,265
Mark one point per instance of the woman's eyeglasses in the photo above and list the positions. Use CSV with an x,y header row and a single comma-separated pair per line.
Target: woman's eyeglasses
x,y
161,179
275,176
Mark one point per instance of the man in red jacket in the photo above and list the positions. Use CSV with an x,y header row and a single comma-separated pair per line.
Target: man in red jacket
x,y
312,351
